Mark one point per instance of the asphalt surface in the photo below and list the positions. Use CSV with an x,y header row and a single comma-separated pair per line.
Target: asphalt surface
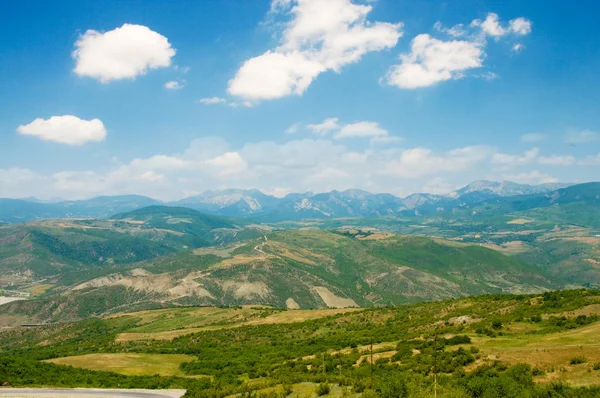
x,y
87,392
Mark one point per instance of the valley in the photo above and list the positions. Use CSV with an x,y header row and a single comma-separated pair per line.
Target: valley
x,y
223,302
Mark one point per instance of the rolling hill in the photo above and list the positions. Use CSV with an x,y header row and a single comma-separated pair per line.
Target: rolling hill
x,y
54,247
293,269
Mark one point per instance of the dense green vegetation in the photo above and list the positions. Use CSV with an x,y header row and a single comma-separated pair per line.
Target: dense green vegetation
x,y
411,343
56,247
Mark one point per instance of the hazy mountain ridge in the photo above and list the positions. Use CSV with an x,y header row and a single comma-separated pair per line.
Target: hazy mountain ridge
x,y
256,204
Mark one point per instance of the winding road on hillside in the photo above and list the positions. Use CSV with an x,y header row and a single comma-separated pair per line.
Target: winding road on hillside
x,y
259,247
87,392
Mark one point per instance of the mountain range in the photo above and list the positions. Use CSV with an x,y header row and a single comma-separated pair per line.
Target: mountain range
x,y
166,255
294,206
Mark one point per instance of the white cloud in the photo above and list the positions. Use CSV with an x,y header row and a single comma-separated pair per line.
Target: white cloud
x,y
16,176
328,173
320,36
385,139
293,129
518,48
223,101
162,162
296,154
592,160
274,75
151,176
491,26
432,61
556,160
65,129
455,31
174,85
581,137
278,192
533,137
212,100
298,165
508,161
418,162
229,163
534,177
488,76
438,186
328,125
361,129
182,69
520,26
122,53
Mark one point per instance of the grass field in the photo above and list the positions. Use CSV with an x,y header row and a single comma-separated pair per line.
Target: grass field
x,y
476,342
170,323
550,353
128,364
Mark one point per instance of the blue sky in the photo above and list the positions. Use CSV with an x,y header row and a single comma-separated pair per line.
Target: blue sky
x,y
169,99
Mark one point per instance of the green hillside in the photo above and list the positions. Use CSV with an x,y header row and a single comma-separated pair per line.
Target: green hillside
x,y
504,346
293,269
55,247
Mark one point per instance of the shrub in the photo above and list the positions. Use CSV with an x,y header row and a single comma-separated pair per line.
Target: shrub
x,y
538,372
459,339
596,366
286,390
323,389
536,318
578,360
496,324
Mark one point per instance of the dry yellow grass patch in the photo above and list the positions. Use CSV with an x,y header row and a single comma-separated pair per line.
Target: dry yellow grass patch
x,y
148,316
376,356
223,252
285,252
333,301
169,231
387,346
590,240
520,221
512,247
36,290
239,259
297,254
298,316
551,353
130,221
128,364
450,242
593,309
276,318
377,236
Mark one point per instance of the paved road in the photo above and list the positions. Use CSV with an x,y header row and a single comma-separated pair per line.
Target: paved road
x,y
87,392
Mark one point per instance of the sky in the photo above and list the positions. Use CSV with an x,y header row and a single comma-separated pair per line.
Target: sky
x,y
170,99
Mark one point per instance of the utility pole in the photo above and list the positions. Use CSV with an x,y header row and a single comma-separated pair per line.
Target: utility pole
x,y
435,364
371,349
371,364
